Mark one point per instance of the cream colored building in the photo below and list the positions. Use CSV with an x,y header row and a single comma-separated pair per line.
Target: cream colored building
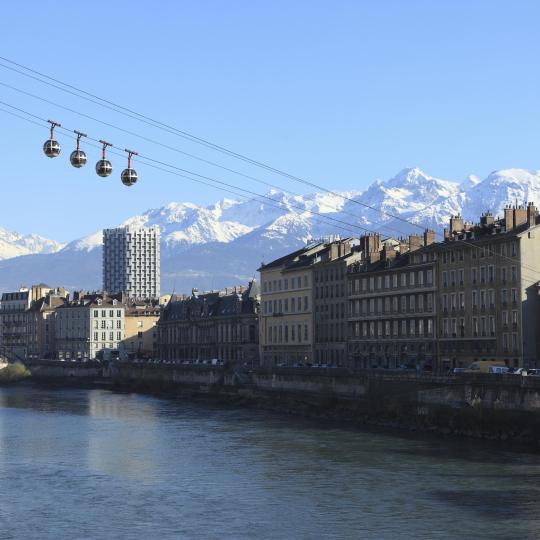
x,y
140,339
291,311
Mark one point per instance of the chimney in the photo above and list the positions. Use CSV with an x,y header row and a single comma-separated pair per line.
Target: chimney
x,y
446,233
415,242
370,243
374,256
508,218
487,219
194,292
388,253
531,214
429,237
520,216
456,224
403,245
334,250
228,290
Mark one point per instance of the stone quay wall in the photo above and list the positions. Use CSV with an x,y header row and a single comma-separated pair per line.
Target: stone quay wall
x,y
474,405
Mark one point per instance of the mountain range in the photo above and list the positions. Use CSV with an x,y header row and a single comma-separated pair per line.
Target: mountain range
x,y
224,243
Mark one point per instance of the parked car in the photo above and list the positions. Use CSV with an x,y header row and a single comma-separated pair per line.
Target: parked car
x,y
455,370
500,370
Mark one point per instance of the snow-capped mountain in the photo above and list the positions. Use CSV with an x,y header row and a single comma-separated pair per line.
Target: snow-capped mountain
x,y
224,243
13,244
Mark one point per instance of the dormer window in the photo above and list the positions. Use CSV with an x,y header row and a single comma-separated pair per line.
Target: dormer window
x,y
99,302
114,302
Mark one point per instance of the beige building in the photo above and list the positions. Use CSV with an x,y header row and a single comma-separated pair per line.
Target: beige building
x,y
488,289
140,340
303,305
392,305
19,330
40,334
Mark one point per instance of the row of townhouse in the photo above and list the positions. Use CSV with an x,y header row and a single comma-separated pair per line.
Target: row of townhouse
x,y
211,326
42,322
367,302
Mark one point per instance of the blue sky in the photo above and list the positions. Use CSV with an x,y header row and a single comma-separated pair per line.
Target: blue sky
x,y
340,93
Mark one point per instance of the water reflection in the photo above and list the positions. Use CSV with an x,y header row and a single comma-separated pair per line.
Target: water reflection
x,y
95,464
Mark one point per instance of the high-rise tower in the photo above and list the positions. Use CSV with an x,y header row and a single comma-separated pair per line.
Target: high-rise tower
x,y
131,261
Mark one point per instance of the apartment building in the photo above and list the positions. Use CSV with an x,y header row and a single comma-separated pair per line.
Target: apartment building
x,y
488,289
304,304
218,325
13,309
392,304
40,332
91,326
141,333
330,300
286,319
131,261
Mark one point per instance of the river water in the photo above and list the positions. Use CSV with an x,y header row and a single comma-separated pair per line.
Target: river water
x,y
78,464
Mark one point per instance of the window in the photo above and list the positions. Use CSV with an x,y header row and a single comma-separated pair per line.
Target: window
x,y
111,313
445,279
514,295
96,313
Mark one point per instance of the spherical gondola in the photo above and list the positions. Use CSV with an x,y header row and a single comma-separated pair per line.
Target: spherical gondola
x,y
129,177
104,168
78,158
51,147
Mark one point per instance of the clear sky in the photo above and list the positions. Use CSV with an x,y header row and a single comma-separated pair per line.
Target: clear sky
x,y
339,92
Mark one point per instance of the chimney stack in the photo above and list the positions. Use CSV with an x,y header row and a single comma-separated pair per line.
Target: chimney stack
x,y
520,216
531,214
429,237
456,224
388,253
487,219
508,218
415,242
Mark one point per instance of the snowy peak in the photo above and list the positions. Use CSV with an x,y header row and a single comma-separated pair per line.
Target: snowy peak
x,y
13,244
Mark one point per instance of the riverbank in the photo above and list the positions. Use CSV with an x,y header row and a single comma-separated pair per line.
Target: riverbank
x,y
496,408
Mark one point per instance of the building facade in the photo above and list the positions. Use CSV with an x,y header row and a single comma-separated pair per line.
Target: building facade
x,y
91,326
488,289
392,305
13,308
286,319
131,261
215,326
304,305
40,330
141,332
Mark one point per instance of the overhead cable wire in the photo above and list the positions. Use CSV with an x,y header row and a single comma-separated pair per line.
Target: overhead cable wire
x,y
229,188
171,129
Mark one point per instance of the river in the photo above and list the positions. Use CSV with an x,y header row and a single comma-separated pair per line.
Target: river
x,y
94,464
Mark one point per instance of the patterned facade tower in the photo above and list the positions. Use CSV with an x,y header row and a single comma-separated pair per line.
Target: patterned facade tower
x,y
131,257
